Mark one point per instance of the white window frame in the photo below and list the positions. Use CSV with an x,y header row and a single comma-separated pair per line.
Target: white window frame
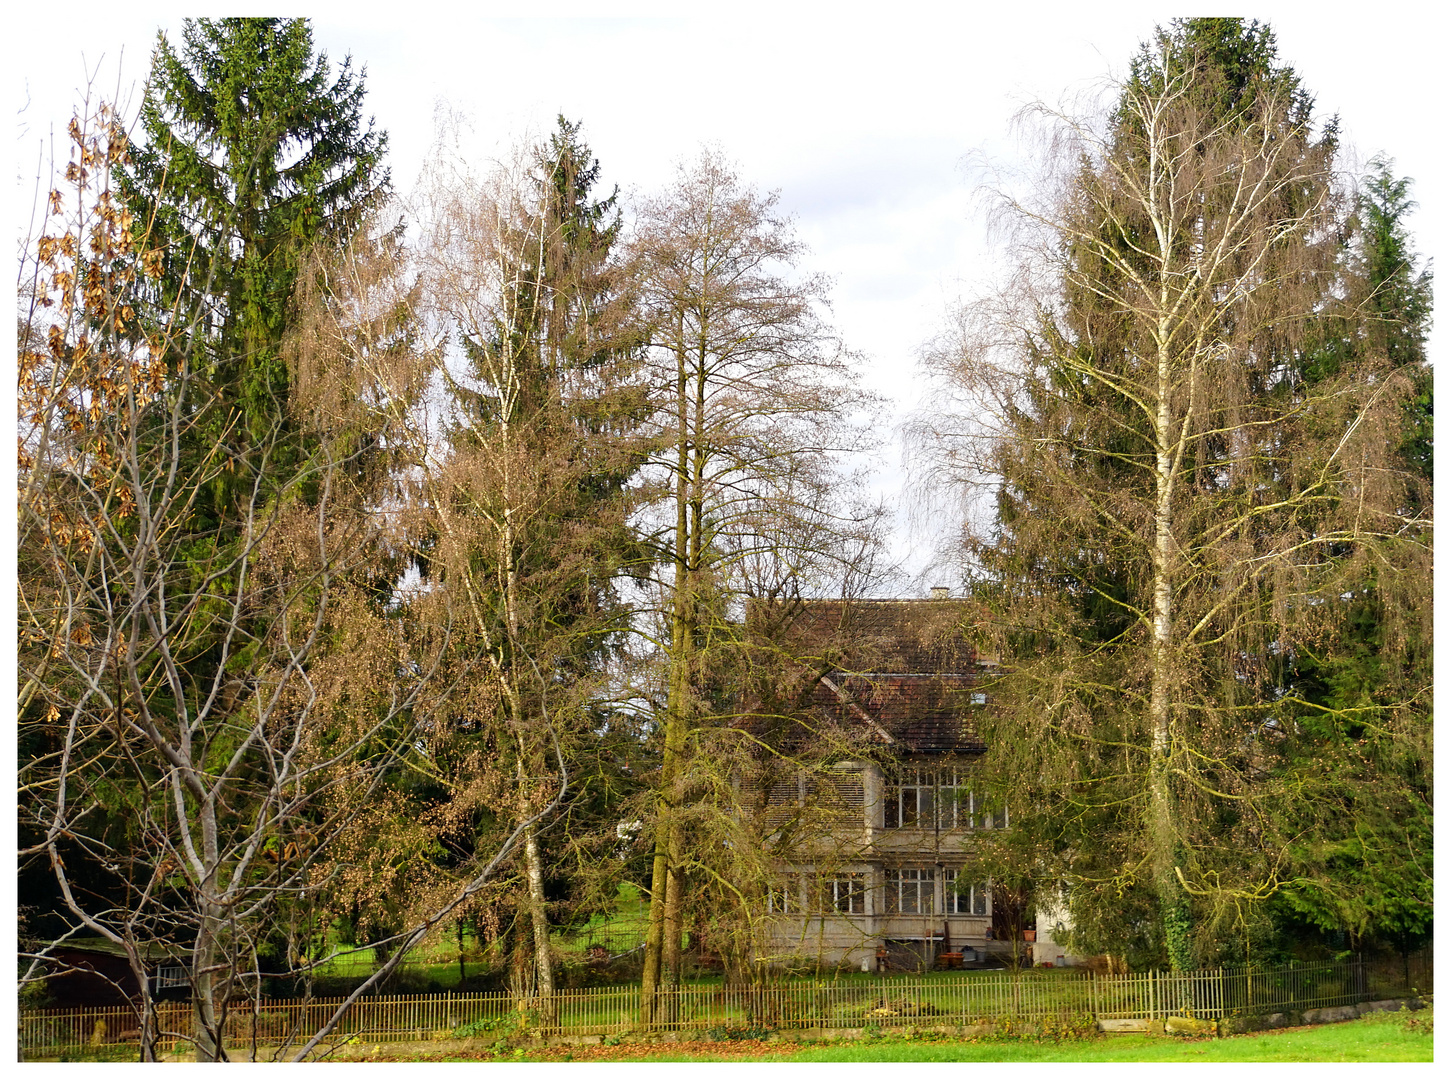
x,y
976,899
844,894
784,898
906,795
940,798
911,890
954,801
170,976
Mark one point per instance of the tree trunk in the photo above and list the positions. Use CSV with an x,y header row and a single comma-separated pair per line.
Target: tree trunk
x,y
1162,830
147,1010
539,917
205,1023
655,935
674,928
661,958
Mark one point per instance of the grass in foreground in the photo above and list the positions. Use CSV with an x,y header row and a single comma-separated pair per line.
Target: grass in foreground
x,y
1403,1036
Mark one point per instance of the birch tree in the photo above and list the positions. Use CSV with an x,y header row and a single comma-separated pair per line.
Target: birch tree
x,y
527,499
1177,501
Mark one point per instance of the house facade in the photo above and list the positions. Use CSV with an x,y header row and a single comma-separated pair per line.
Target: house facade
x,y
884,885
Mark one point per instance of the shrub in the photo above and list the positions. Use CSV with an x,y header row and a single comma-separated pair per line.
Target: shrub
x,y
733,1033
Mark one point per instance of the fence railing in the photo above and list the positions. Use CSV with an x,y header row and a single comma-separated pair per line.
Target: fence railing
x,y
1032,996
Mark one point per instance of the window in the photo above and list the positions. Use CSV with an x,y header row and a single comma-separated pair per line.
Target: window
x,y
954,800
168,977
944,799
991,816
908,802
909,891
783,899
846,893
962,897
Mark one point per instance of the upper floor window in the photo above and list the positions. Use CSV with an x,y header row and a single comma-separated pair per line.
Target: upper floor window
x,y
909,801
940,798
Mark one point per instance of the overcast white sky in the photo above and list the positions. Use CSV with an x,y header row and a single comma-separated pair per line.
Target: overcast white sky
x,y
860,119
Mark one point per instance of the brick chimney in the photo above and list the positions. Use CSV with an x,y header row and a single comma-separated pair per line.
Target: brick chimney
x,y
941,592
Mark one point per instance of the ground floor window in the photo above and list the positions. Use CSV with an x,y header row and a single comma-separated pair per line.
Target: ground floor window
x,y
846,893
963,897
782,898
909,890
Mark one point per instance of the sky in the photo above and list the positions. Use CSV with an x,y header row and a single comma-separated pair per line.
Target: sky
x,y
863,122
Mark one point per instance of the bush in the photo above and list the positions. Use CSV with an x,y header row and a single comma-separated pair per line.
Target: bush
x,y
732,1033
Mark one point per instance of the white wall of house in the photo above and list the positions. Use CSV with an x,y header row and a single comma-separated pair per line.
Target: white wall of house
x,y
1053,922
893,884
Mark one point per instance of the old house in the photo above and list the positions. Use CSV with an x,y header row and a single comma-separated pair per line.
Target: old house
x,y
882,883
94,972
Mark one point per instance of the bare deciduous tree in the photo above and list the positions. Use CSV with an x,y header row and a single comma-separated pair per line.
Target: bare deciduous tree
x,y
754,397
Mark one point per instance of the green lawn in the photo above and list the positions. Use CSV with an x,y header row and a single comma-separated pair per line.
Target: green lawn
x,y
438,960
1404,1036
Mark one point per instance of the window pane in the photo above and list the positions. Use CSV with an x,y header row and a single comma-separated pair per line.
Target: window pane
x,y
781,899
848,894
917,891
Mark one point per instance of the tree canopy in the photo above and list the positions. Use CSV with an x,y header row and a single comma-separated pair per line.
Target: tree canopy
x,y
251,148
1184,490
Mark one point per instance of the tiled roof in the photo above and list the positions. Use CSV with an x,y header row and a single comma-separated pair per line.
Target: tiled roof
x,y
918,713
917,637
902,668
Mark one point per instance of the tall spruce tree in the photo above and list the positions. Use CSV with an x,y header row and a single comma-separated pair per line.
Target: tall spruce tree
x,y
530,503
250,150
1398,300
1361,737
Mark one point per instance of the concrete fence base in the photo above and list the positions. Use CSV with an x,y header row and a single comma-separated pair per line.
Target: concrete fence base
x,y
1241,1025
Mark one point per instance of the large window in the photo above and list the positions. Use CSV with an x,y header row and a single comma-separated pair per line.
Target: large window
x,y
846,893
962,897
954,800
942,798
909,891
